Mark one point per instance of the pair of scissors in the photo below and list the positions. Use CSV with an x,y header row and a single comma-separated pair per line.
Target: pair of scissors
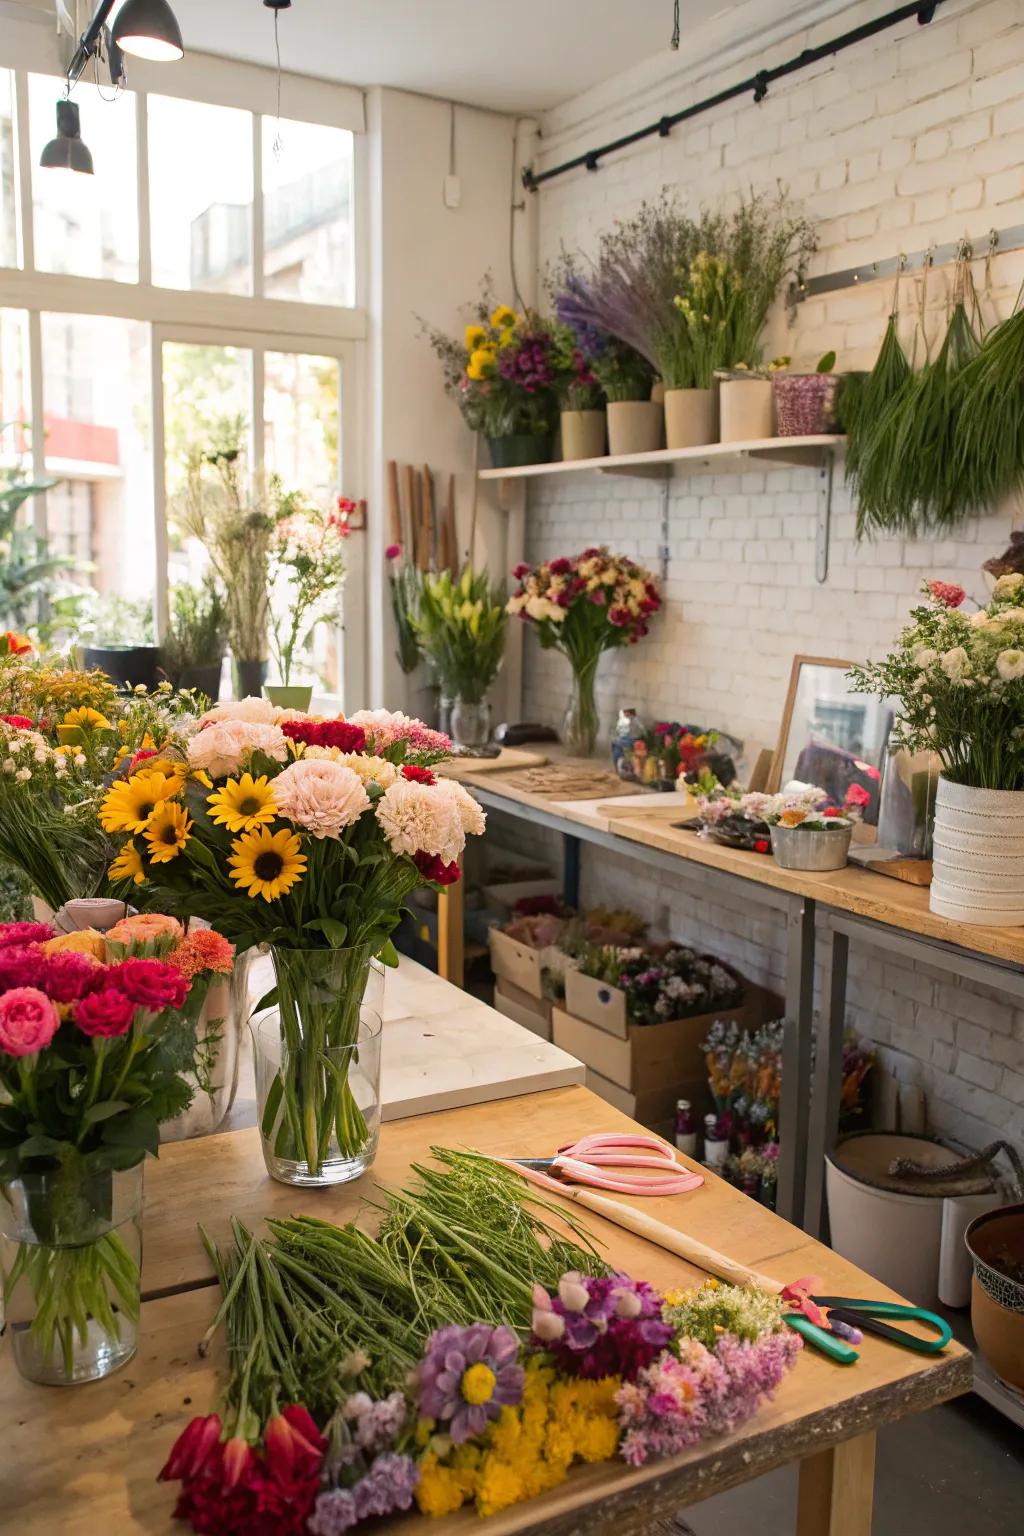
x,y
834,1324
584,1162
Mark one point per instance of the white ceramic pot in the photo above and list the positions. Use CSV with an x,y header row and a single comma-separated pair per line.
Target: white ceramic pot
x,y
978,855
583,434
690,418
746,411
635,426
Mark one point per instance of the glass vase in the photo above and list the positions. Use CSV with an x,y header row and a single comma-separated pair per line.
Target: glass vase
x,y
581,724
71,1260
317,1058
471,722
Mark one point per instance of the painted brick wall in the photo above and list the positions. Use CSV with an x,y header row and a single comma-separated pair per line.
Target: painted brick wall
x,y
916,137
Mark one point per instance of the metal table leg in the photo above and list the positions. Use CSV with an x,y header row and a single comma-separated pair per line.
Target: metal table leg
x,y
570,869
796,1058
823,1130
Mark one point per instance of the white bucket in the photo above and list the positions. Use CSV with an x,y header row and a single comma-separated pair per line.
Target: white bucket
x,y
978,865
896,1238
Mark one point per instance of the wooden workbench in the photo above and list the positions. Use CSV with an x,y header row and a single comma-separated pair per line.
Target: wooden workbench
x,y
84,1460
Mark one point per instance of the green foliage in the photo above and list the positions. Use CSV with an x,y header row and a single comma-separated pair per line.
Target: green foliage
x,y
197,629
32,580
306,567
869,410
107,618
461,628
989,430
405,583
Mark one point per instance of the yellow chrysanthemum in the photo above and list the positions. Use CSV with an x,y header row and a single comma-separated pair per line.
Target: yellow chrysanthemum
x,y
266,863
478,1384
481,364
87,719
128,805
167,832
475,337
504,318
127,865
242,804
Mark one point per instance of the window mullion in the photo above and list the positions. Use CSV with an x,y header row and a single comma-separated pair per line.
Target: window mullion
x,y
142,188
161,606
35,374
258,284
259,446
28,234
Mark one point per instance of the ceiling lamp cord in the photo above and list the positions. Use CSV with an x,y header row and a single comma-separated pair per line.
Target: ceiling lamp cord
x,y
675,27
278,145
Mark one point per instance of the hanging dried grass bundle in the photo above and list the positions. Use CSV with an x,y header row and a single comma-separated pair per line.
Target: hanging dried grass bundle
x,y
989,439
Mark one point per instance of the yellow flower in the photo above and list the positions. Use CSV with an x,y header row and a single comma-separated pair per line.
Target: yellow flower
x,y
504,318
167,832
89,719
127,865
242,804
478,1384
475,337
500,1486
480,365
128,805
267,864
440,1491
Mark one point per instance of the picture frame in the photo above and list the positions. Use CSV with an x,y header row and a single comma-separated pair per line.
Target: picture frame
x,y
831,735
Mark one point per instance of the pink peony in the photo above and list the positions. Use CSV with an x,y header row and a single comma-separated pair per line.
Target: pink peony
x,y
28,1021
107,1014
226,746
416,818
321,796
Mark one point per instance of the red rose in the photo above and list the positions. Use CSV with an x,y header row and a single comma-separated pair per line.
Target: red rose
x,y
152,984
417,775
20,722
433,868
108,1013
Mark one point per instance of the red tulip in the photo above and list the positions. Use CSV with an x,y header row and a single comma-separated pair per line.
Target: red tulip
x,y
237,1461
192,1449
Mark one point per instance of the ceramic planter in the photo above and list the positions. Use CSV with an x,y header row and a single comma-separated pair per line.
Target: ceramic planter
x,y
247,678
284,697
810,849
745,409
519,450
805,403
583,434
134,665
635,426
978,855
690,418
204,679
995,1242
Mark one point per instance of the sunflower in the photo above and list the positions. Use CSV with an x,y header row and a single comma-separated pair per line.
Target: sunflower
x,y
475,337
127,865
128,805
504,318
266,863
481,364
87,719
243,804
167,832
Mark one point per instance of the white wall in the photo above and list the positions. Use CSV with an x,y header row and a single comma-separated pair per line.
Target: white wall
x,y
918,135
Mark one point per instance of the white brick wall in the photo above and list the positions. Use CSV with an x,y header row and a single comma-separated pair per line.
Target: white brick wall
x,y
914,137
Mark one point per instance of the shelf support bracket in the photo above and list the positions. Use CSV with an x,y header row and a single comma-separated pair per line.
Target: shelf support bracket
x,y
826,470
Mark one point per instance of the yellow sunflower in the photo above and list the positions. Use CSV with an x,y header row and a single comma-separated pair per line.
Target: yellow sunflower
x,y
481,364
167,832
504,318
243,804
87,719
475,337
266,863
128,805
127,865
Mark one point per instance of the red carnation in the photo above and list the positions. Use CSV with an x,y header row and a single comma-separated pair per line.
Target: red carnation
x,y
520,571
433,868
25,933
20,966
417,775
20,722
326,733
66,976
152,984
108,1013
140,757
560,567
620,617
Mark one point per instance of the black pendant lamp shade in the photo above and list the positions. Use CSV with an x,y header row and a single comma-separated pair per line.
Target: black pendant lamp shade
x,y
149,30
67,152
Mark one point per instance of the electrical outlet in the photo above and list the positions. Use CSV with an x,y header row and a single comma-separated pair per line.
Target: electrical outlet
x,y
452,191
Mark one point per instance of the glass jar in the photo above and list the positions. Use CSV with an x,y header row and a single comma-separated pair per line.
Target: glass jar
x,y
71,1260
471,723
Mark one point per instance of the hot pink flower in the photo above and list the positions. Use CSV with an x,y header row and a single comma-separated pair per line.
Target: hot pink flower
x,y
28,1021
24,933
393,552
106,1014
67,974
949,593
151,984
20,966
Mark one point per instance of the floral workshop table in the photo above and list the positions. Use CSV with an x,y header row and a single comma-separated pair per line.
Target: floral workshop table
x,y
84,1460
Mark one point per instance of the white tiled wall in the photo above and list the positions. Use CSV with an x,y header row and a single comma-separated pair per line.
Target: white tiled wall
x,y
916,136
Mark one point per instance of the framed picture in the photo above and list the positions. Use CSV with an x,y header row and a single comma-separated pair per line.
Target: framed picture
x,y
832,736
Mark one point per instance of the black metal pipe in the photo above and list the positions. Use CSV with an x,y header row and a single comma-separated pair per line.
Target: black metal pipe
x,y
89,41
757,85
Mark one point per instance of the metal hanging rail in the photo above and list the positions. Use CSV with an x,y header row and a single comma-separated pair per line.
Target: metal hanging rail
x,y
996,243
757,84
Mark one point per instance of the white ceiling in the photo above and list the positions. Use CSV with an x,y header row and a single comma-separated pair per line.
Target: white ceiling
x,y
512,55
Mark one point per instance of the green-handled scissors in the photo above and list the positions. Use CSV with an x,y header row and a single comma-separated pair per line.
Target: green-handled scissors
x,y
867,1316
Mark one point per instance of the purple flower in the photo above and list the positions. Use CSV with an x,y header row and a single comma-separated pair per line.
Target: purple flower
x,y
611,1326
388,1486
335,1513
468,1375
376,1425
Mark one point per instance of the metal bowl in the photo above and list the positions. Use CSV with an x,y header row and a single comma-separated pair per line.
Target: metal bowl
x,y
809,849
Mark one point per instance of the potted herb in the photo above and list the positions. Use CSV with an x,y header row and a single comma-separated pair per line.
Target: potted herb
x,y
745,402
959,680
192,653
461,629
305,567
805,402
120,642
623,375
694,344
583,419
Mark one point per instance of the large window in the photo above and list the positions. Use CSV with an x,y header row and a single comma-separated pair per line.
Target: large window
x,y
221,243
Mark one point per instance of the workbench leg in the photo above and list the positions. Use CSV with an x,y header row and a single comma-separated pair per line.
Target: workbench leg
x,y
796,1059
823,1131
451,939
571,848
837,1490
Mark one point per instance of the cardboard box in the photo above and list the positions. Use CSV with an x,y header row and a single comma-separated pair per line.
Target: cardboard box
x,y
651,1055
654,1106
522,966
532,1013
600,1003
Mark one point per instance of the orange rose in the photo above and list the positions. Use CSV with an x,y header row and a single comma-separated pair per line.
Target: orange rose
x,y
144,926
792,818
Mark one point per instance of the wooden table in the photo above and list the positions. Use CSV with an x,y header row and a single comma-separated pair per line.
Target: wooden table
x,y
83,1461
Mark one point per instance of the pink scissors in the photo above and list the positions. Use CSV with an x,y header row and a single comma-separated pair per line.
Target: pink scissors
x,y
582,1162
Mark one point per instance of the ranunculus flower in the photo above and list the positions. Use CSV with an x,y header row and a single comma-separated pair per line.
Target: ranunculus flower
x,y
108,1013
151,984
1010,665
28,1021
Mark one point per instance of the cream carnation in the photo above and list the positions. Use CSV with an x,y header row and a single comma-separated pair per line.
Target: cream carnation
x,y
321,796
223,748
955,663
470,812
1010,665
253,710
367,768
1009,585
416,819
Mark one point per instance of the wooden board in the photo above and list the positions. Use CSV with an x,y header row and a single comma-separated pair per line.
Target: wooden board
x,y
509,760
671,803
85,1461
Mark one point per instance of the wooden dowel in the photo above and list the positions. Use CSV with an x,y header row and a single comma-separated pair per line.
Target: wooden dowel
x,y
394,503
451,536
427,524
412,511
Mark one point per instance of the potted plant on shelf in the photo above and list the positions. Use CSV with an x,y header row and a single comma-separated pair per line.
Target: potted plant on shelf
x,y
461,629
502,376
805,402
693,344
808,831
194,644
583,419
306,566
216,508
118,632
745,402
584,606
959,679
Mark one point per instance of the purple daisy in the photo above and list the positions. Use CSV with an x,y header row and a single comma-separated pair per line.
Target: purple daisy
x,y
468,1375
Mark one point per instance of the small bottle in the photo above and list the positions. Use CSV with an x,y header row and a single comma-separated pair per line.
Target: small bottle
x,y
686,1128
716,1146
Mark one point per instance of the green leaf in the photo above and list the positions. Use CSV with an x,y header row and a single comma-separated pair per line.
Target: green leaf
x,y
268,1000
388,955
138,1128
106,1159
826,363
335,933
41,1146
104,1110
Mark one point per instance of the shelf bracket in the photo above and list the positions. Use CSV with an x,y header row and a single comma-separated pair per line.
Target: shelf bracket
x,y
826,469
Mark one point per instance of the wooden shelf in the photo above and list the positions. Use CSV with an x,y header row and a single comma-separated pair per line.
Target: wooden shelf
x,y
773,450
